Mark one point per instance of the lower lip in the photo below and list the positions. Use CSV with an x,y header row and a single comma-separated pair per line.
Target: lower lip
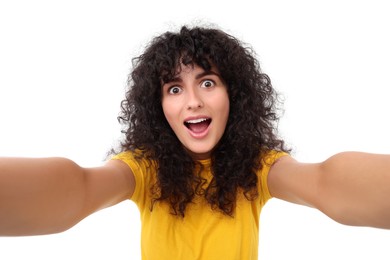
x,y
199,135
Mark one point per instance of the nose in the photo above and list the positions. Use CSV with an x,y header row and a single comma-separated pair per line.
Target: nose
x,y
194,100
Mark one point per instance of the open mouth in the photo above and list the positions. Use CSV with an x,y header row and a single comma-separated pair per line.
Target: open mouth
x,y
198,125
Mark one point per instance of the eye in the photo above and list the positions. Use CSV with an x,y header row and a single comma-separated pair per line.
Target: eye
x,y
208,83
174,90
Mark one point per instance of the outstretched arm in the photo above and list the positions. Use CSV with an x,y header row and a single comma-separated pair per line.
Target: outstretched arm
x,y
352,188
50,195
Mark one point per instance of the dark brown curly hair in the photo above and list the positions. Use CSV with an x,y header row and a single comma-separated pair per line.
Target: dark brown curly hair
x,y
251,128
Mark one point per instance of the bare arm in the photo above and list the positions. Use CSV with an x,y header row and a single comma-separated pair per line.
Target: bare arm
x,y
352,188
50,195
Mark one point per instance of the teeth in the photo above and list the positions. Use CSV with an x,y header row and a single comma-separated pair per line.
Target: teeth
x,y
195,121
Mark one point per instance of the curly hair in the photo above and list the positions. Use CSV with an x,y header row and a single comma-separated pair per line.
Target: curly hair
x,y
251,128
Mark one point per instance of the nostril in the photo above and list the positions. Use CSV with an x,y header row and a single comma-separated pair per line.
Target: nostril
x,y
192,107
195,103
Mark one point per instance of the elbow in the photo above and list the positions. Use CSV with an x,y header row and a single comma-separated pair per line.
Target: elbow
x,y
352,217
35,225
350,196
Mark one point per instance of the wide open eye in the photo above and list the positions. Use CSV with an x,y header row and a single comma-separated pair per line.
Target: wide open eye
x,y
174,90
207,83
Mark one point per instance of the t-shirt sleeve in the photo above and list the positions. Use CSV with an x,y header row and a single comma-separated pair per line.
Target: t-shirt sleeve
x,y
268,160
138,168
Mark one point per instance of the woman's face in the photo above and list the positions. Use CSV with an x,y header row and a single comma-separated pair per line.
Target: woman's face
x,y
196,106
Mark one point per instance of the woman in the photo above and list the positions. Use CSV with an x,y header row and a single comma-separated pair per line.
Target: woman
x,y
201,157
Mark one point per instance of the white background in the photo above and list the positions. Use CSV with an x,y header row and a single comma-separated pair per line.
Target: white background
x,y
63,70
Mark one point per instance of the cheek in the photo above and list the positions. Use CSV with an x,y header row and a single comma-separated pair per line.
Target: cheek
x,y
225,107
226,114
170,111
166,111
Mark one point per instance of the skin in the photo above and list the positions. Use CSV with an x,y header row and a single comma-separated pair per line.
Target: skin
x,y
193,96
50,195
350,187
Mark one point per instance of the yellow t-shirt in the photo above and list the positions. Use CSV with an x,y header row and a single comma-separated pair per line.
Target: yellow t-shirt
x,y
203,233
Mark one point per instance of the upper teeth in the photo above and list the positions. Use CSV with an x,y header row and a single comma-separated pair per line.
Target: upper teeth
x,y
194,121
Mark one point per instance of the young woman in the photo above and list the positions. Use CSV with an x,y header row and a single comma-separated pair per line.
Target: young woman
x,y
201,157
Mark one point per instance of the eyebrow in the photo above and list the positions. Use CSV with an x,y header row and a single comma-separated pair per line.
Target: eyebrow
x,y
198,76
206,73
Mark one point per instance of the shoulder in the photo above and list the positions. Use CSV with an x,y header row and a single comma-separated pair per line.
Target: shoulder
x,y
135,161
267,160
270,157
141,169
